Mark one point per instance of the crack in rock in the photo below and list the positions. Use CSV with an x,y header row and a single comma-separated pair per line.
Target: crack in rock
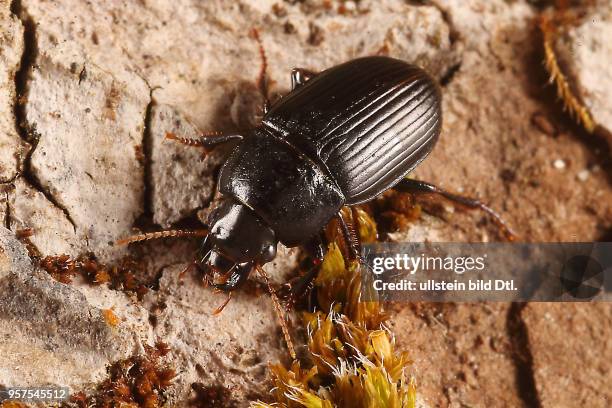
x,y
11,53
522,356
147,149
25,130
58,330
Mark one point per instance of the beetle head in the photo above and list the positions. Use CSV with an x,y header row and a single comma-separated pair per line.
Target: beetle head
x,y
237,240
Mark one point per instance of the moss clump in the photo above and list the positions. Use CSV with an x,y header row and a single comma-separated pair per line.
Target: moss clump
x,y
551,25
138,381
351,358
122,276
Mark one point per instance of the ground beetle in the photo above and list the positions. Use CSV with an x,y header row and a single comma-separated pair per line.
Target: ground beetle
x,y
339,138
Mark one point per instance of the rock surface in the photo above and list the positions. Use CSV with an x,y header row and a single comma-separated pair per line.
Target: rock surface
x,y
73,103
104,81
182,178
11,145
231,349
51,333
581,334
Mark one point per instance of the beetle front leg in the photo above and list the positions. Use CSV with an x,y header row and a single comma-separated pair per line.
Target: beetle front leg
x,y
293,290
416,187
299,76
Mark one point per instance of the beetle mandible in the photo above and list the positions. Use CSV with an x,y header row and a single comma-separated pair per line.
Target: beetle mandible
x,y
339,138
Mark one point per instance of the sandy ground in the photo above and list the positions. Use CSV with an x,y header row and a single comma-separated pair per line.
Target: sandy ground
x,y
89,89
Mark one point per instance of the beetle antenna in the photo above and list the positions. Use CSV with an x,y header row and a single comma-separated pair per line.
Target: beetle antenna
x,y
192,142
279,312
162,234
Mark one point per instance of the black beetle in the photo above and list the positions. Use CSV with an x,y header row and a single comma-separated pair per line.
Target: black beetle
x,y
339,138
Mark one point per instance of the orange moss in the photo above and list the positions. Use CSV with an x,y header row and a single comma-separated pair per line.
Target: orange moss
x,y
110,317
138,381
13,404
122,276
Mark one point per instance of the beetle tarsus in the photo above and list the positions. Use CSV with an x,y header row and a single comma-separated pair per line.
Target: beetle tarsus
x,y
290,292
297,287
411,186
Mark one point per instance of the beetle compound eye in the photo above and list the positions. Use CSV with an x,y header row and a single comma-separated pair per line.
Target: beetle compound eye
x,y
268,252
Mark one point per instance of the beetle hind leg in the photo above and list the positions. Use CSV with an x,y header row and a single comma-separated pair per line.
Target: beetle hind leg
x,y
418,187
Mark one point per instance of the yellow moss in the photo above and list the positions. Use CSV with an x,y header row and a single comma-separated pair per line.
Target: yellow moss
x,y
367,227
351,356
13,404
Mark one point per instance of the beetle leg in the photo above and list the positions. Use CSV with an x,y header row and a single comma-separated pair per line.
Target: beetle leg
x,y
350,237
297,287
411,186
299,76
279,312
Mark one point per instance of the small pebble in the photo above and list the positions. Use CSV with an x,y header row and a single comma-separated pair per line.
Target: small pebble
x,y
583,175
559,164
350,5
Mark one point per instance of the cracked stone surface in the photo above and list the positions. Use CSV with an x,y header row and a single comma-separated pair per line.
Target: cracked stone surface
x,y
473,345
51,333
581,334
182,178
231,349
109,79
29,208
72,103
11,145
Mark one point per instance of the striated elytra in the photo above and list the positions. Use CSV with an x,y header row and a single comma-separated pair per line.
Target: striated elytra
x,y
339,138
